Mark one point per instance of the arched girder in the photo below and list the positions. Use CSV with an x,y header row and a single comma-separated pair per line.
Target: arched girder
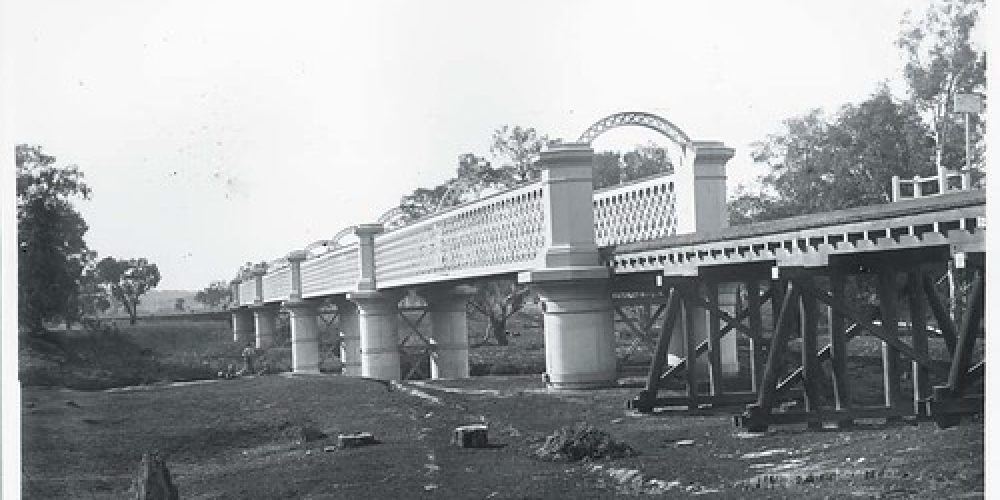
x,y
393,218
639,119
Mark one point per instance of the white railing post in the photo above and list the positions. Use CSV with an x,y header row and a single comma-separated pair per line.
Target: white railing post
x,y
303,320
379,312
578,328
701,187
895,188
350,341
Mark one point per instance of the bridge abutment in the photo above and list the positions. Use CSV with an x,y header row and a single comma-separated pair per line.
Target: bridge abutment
x,y
449,337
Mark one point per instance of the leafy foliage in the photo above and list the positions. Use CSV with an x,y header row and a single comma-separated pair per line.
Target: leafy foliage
x,y
216,294
941,61
819,163
612,167
128,280
52,253
518,148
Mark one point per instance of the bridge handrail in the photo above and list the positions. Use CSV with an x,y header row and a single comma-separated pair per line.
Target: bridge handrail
x,y
495,234
903,208
335,271
638,210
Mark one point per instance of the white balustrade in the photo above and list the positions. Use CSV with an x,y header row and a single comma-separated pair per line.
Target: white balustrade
x,y
638,211
331,273
499,234
277,284
248,292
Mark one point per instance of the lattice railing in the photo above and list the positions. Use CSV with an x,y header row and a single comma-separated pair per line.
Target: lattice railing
x,y
248,291
502,233
277,284
638,211
331,273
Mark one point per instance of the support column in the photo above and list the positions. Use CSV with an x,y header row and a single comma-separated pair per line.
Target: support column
x,y
265,319
350,341
379,334
578,322
728,345
243,326
305,336
449,330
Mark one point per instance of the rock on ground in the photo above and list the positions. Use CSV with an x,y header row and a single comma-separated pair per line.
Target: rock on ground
x,y
582,441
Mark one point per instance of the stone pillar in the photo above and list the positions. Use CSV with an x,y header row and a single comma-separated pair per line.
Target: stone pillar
x,y
304,321
379,334
700,187
579,334
258,277
350,342
243,326
378,316
305,336
265,323
449,330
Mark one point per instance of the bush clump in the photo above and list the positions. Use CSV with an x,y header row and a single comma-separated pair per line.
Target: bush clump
x,y
582,442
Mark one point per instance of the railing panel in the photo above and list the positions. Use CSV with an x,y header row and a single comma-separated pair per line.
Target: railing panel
x,y
277,284
499,234
248,292
332,273
638,211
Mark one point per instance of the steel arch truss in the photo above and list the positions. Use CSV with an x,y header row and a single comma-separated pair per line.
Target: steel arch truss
x,y
638,119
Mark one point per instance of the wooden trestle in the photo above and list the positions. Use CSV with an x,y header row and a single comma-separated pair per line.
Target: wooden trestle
x,y
901,267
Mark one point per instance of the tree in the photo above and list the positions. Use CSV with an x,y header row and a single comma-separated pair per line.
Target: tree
x,y
941,62
497,301
128,280
518,148
819,163
612,167
216,294
52,253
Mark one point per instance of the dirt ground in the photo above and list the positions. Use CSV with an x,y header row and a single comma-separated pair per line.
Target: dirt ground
x,y
235,439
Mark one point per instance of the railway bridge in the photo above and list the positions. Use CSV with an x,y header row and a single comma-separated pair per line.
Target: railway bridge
x,y
732,303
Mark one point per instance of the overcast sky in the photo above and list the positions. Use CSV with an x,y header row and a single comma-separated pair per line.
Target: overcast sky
x,y
213,133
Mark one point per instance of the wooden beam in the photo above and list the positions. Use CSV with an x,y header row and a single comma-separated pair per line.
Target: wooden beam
x,y
918,333
691,380
779,344
891,369
810,366
663,344
944,321
838,345
967,341
714,354
757,359
844,308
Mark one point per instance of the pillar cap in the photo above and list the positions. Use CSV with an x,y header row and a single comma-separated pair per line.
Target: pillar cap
x,y
572,153
563,274
297,256
259,269
369,229
712,152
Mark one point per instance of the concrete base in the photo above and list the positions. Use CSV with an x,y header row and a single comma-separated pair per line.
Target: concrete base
x,y
579,333
243,326
265,323
378,328
449,330
305,336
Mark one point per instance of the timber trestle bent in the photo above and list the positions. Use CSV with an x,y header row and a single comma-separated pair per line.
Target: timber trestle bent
x,y
830,279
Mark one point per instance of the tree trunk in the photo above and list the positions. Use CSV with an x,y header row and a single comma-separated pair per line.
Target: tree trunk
x,y
498,328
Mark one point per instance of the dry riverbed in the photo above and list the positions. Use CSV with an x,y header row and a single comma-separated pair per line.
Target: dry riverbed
x,y
245,439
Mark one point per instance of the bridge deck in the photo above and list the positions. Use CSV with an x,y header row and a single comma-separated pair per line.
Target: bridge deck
x,y
956,221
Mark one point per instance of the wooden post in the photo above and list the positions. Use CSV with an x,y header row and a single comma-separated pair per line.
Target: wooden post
x,y
967,341
757,358
918,332
945,324
690,348
838,345
890,317
714,326
646,399
779,342
810,366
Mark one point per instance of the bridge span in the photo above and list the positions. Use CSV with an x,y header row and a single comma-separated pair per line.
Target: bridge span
x,y
721,293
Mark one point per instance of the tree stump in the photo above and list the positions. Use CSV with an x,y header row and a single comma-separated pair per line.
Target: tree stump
x,y
471,436
152,480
